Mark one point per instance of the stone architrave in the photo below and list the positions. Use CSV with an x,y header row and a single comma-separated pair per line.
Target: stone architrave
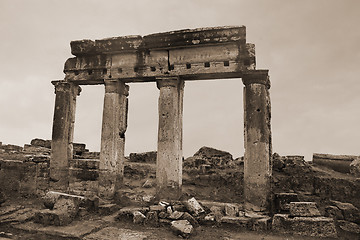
x,y
257,131
111,168
169,152
62,133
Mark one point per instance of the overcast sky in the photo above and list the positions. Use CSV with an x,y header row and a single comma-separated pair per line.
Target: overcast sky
x,y
311,47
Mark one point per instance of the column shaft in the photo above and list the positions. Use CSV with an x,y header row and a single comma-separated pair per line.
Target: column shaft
x,y
169,152
62,134
111,169
257,130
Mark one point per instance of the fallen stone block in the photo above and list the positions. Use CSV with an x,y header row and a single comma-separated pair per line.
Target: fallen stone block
x,y
262,224
176,215
182,227
254,215
138,217
282,201
194,206
65,210
349,211
208,220
107,209
157,208
231,210
304,209
348,230
191,219
52,197
151,219
164,222
333,212
242,222
304,226
217,212
52,217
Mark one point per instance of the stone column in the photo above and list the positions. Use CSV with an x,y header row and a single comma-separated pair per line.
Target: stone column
x,y
111,169
257,131
169,151
62,134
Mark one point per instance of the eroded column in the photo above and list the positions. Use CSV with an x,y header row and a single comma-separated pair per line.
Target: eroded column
x,y
257,130
169,152
62,134
111,169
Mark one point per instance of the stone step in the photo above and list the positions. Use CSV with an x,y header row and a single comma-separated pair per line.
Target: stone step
x,y
304,209
304,226
282,201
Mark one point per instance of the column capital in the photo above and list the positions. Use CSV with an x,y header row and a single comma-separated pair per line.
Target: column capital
x,y
116,86
256,77
168,82
64,86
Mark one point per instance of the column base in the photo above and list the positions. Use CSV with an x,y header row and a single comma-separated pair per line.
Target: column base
x,y
59,179
169,192
108,183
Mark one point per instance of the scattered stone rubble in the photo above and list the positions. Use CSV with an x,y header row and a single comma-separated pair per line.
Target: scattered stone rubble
x,y
297,185
184,217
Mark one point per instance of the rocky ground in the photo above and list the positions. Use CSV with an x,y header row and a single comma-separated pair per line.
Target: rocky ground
x,y
327,205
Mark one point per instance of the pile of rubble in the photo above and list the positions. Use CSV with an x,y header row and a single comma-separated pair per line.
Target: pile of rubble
x,y
184,217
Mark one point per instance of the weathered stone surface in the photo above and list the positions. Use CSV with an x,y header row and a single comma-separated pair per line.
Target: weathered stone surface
x,y
65,210
333,212
257,157
51,197
243,222
217,212
349,211
282,201
355,167
182,227
207,156
146,157
41,143
138,217
194,206
342,189
114,125
231,210
304,209
157,208
110,233
176,215
107,209
75,230
152,219
191,219
262,224
254,215
304,226
169,152
16,215
339,163
349,229
148,184
62,133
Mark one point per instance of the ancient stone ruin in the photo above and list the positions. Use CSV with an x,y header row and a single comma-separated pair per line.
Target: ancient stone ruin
x,y
169,59
58,189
